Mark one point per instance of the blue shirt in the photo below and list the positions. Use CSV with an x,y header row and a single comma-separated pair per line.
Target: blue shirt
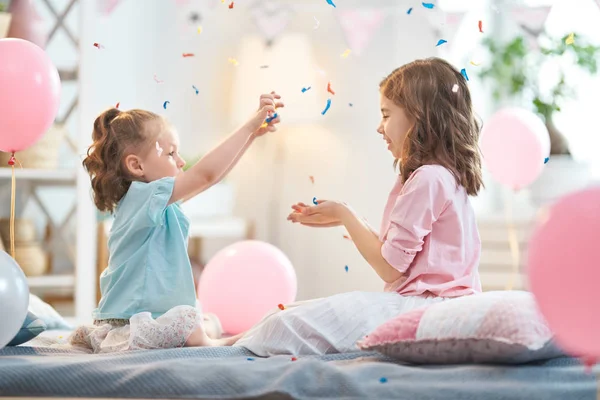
x,y
148,268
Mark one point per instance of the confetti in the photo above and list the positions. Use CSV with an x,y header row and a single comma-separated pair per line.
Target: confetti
x,y
271,118
188,55
475,64
159,150
330,2
546,160
347,237
409,11
346,268
312,179
351,105
441,42
99,46
233,61
570,39
250,358
480,25
464,73
315,202
281,306
326,107
346,53
165,104
428,5
264,66
118,104
329,89
383,380
455,88
318,23
294,359
199,29
60,337
306,89
157,80
196,89
231,5
195,17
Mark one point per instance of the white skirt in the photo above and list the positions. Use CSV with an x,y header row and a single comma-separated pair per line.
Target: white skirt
x,y
328,325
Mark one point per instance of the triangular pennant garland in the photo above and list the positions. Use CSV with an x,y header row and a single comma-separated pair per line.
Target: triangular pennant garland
x,y
359,26
531,19
271,17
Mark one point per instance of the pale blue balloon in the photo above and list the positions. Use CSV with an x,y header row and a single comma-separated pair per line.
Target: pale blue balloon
x,y
14,298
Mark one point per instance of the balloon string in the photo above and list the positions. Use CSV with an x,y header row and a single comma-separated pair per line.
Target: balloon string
x,y
11,162
513,242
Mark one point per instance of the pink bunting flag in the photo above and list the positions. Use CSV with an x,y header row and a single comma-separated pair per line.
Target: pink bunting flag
x,y
531,19
359,26
271,17
106,7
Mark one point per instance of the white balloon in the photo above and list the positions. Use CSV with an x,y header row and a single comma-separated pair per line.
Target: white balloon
x,y
14,298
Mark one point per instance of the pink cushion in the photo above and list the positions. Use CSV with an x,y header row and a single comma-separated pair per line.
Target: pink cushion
x,y
503,327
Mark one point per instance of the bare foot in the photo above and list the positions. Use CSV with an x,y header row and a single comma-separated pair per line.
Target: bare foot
x,y
199,338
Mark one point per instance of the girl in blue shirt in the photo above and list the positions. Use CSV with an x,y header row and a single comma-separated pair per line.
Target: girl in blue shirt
x,y
148,297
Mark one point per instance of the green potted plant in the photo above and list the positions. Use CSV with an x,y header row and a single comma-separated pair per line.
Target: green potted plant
x,y
514,68
4,20
513,74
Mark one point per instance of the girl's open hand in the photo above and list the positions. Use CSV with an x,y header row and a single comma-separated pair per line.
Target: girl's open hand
x,y
266,109
324,215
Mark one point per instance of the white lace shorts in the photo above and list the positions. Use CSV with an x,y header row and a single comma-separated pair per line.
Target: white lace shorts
x,y
170,330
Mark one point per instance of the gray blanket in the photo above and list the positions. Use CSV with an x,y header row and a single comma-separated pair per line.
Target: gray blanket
x,y
235,373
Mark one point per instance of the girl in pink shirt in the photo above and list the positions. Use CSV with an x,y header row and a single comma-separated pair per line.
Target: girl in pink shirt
x,y
428,247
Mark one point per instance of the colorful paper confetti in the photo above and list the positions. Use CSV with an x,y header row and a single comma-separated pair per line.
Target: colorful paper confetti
x,y
428,5
195,89
264,66
199,29
315,202
158,80
281,307
118,104
346,268
185,55
409,11
330,2
271,118
306,89
294,359
326,107
570,39
464,73
546,160
347,237
475,64
165,104
351,105
231,5
441,42
317,23
159,150
250,358
233,61
329,89
480,25
383,380
455,88
99,46
346,53
312,179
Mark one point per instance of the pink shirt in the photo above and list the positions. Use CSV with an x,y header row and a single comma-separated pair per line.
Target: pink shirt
x,y
429,234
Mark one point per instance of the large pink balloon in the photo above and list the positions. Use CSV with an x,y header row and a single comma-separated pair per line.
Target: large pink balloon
x,y
514,143
29,94
564,271
242,282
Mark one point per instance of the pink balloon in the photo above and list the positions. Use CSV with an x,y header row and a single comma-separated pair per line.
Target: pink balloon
x,y
514,143
29,94
564,271
244,281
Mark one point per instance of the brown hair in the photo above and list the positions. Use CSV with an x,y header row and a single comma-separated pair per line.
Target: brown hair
x,y
116,134
445,130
